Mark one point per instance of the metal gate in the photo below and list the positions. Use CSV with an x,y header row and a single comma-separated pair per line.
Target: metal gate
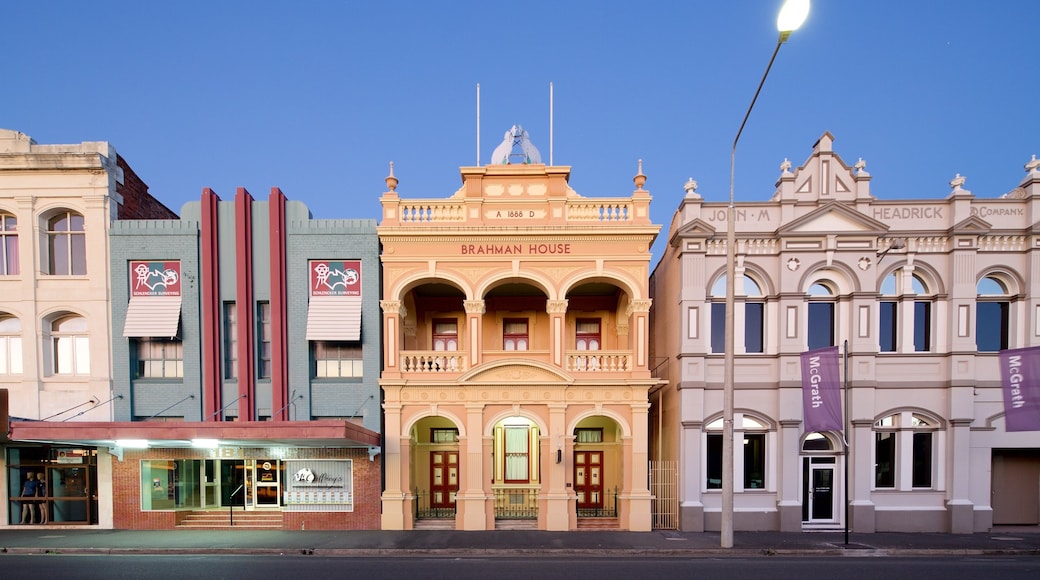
x,y
664,485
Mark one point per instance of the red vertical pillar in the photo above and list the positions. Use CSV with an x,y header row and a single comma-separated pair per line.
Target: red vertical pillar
x,y
245,306
279,323
211,314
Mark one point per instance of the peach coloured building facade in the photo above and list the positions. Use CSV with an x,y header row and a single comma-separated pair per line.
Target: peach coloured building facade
x,y
516,370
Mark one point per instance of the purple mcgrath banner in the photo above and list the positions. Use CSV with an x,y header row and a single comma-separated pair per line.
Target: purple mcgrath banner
x,y
821,390
1020,379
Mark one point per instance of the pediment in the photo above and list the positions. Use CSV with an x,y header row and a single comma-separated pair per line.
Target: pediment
x,y
696,228
834,217
972,225
514,372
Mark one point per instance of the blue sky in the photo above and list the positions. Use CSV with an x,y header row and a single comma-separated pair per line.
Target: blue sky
x,y
318,97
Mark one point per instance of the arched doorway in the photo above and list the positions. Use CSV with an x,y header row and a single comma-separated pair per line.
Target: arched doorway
x,y
598,471
435,465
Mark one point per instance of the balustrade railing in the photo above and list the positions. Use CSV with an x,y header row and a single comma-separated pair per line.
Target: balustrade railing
x,y
602,361
433,361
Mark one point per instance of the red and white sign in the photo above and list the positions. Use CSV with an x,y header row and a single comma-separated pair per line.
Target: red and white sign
x,y
335,278
155,278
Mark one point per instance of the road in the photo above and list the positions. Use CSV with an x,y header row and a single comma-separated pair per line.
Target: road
x,y
508,568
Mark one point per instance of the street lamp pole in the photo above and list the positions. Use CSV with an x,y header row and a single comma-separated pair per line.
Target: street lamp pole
x,y
792,15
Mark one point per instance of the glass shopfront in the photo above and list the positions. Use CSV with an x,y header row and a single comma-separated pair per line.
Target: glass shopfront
x,y
63,484
168,484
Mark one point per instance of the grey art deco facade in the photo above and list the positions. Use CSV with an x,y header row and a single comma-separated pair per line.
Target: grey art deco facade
x,y
919,294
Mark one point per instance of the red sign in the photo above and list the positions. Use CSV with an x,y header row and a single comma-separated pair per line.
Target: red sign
x,y
155,278
335,278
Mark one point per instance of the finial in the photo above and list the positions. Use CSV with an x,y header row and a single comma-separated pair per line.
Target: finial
x,y
1033,164
785,167
391,181
957,182
639,179
691,188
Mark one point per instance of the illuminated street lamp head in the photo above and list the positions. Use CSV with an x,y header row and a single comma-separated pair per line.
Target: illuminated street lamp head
x,y
792,14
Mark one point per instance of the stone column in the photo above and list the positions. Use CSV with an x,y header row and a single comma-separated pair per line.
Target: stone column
x,y
395,498
557,310
639,314
475,330
393,315
472,498
788,491
636,495
559,509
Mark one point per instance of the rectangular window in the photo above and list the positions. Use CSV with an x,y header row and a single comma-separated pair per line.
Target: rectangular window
x,y
888,314
445,334
337,360
713,467
884,459
821,325
754,461
444,435
514,334
991,326
230,341
588,435
587,334
922,466
922,326
516,462
159,358
8,245
263,323
754,327
718,327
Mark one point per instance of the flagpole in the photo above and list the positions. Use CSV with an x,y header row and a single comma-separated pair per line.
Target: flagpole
x,y
846,440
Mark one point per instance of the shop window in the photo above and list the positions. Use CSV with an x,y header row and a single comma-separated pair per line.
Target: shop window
x,y
230,341
263,332
159,358
337,360
8,245
749,306
514,334
904,451
67,494
10,345
992,314
517,450
66,245
70,346
749,437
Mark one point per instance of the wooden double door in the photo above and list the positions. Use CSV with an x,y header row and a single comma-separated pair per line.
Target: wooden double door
x,y
588,479
444,478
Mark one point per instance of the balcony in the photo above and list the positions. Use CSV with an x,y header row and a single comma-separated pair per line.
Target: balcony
x,y
433,361
575,361
598,361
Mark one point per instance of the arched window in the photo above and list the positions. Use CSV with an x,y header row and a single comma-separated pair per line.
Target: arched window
x,y
70,346
904,451
749,438
749,306
900,301
8,245
10,345
992,313
821,315
66,245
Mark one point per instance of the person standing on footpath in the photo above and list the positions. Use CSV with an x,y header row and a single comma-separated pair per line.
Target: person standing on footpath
x,y
29,491
41,492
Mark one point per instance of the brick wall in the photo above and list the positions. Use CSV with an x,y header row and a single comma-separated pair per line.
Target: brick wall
x,y
137,202
126,491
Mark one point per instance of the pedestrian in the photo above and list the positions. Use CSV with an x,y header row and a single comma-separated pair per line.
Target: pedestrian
x,y
29,490
41,492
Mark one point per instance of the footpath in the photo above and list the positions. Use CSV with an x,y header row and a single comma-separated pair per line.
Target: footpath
x,y
1020,542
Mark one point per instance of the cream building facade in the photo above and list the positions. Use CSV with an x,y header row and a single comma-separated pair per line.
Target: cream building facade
x,y
516,369
56,205
919,295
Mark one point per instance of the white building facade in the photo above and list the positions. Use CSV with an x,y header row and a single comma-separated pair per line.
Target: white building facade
x,y
918,295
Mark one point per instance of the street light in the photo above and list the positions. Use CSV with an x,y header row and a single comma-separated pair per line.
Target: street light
x,y
792,15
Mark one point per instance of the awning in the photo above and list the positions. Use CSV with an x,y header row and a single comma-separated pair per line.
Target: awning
x,y
334,318
152,316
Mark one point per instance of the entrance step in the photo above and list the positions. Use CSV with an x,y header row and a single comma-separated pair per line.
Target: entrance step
x,y
434,524
598,524
221,519
528,524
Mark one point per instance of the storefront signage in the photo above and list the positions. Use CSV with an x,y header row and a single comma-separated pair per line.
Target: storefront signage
x,y
908,213
308,477
335,278
984,211
515,249
754,215
155,278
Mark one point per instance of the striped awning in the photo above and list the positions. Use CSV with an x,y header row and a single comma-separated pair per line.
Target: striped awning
x,y
334,318
152,317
